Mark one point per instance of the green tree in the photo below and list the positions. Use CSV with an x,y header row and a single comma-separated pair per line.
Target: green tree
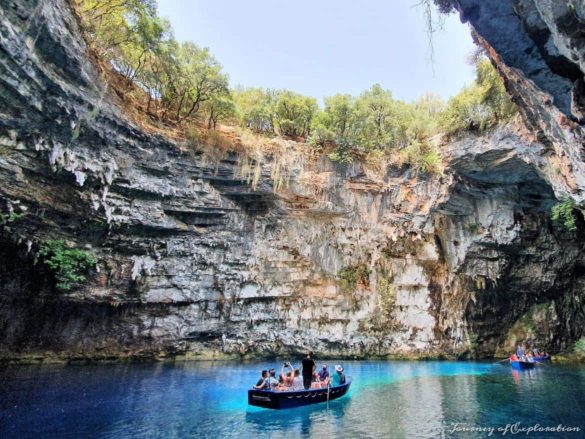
x,y
177,78
112,23
337,122
197,78
424,117
255,109
481,105
219,107
293,113
493,91
466,111
381,122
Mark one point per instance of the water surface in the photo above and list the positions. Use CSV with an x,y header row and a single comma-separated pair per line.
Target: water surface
x,y
208,399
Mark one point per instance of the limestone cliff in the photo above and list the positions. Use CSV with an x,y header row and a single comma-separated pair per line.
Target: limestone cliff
x,y
195,262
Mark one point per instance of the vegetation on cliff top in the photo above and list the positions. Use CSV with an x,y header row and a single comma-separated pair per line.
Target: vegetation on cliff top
x,y
182,85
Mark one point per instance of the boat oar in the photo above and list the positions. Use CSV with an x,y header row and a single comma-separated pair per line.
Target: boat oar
x,y
501,361
328,388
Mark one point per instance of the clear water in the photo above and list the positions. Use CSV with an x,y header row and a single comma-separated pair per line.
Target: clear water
x,y
209,400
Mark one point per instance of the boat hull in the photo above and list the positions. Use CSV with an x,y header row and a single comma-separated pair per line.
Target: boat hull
x,y
521,365
284,400
542,359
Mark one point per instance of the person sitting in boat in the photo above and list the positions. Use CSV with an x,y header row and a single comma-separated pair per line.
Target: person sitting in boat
x,y
520,352
323,374
320,379
271,382
338,378
297,383
536,352
316,382
291,381
287,378
260,384
529,357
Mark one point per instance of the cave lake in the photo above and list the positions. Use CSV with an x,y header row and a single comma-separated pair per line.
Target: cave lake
x,y
393,399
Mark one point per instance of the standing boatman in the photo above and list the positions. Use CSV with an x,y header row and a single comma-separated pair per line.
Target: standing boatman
x,y
308,370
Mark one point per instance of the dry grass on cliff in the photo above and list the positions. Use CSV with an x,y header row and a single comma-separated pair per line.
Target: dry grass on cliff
x,y
256,155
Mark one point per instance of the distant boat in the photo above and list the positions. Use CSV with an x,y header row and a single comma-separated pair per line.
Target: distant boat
x,y
521,365
270,399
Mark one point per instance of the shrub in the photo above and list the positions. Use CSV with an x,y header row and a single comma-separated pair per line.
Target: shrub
x,y
421,157
351,277
563,213
473,342
11,218
580,346
69,265
342,153
387,293
214,146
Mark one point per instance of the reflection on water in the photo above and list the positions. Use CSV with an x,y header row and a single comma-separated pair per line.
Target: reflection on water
x,y
208,399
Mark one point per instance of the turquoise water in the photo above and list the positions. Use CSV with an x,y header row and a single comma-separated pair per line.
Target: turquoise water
x,y
208,399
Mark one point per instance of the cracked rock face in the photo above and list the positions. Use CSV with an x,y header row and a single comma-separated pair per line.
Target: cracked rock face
x,y
195,262
538,46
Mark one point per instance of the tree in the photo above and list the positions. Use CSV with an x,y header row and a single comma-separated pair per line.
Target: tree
x,y
177,78
121,29
493,90
293,113
198,78
219,107
336,122
381,121
481,105
255,109
424,117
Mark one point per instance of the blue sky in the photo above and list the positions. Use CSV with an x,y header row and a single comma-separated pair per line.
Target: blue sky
x,y
323,47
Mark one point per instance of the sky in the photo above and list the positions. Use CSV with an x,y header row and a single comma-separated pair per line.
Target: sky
x,y
323,47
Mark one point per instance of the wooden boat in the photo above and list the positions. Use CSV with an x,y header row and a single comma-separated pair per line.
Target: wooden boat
x,y
284,400
521,365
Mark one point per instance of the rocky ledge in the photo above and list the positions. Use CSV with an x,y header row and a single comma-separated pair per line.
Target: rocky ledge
x,y
194,262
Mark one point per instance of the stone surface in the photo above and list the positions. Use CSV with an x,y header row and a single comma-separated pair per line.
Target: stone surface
x,y
194,262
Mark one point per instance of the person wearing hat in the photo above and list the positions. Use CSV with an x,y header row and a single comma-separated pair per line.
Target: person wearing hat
x,y
338,377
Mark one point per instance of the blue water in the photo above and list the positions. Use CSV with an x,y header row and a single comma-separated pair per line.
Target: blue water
x,y
209,400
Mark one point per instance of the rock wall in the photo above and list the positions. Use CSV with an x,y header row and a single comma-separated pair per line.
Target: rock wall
x,y
537,46
197,263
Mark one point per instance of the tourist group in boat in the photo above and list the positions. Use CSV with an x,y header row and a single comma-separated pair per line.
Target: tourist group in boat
x,y
305,378
525,355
